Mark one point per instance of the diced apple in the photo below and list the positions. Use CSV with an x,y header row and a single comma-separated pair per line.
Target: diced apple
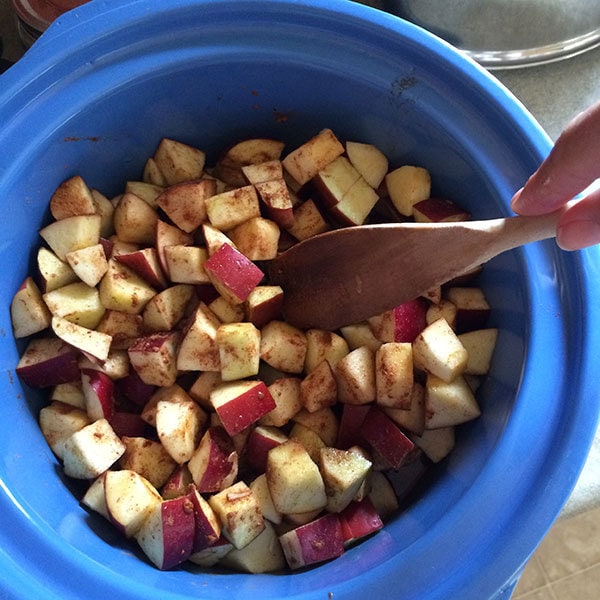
x,y
68,393
94,343
257,238
72,233
286,394
227,312
48,361
473,309
334,180
406,186
264,304
208,527
241,403
210,556
436,443
283,346
294,480
72,197
261,439
94,497
214,238
154,357
233,275
202,387
355,377
148,192
179,162
135,220
386,439
214,463
129,500
308,221
310,439
89,264
167,534
315,542
324,345
439,210
167,308
323,421
146,264
307,160
239,350
394,374
185,264
229,209
247,152
351,420
53,272
123,327
178,482
91,450
444,309
438,350
239,513
76,302
369,161
98,392
147,457
185,203
356,204
269,170
199,350
275,196
360,334
413,418
169,235
343,472
260,489
358,520
402,323
382,495
121,289
153,175
448,404
58,421
480,345
319,388
28,311
262,555
179,424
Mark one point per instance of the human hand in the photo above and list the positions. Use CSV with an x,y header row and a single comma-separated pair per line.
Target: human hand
x,y
571,167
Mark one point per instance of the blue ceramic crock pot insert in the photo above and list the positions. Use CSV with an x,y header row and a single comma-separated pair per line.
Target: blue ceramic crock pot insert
x,y
95,95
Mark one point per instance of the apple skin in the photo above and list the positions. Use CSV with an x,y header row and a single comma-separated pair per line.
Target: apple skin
x,y
127,424
410,318
317,541
214,464
146,264
351,420
359,519
234,275
134,389
208,528
260,441
98,392
28,311
47,362
386,439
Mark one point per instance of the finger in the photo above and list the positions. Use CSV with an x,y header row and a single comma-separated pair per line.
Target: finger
x,y
571,166
579,226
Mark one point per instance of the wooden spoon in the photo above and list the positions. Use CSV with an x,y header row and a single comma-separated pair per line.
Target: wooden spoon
x,y
347,275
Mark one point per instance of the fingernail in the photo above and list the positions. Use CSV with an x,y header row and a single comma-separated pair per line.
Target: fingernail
x,y
578,234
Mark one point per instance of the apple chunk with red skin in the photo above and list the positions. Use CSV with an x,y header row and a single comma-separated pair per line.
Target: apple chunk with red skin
x,y
439,210
241,403
234,275
154,357
58,421
315,542
358,520
47,362
214,463
98,392
261,439
385,438
167,535
208,526
146,264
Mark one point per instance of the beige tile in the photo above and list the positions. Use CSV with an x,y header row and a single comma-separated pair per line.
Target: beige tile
x,y
582,586
533,578
544,593
571,545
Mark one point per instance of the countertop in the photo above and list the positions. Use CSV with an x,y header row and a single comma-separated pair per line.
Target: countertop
x,y
554,93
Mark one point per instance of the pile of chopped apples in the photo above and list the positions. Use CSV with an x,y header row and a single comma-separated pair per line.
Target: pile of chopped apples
x,y
209,429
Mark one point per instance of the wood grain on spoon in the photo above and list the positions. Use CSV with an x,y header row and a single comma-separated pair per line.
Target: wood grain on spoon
x,y
347,275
